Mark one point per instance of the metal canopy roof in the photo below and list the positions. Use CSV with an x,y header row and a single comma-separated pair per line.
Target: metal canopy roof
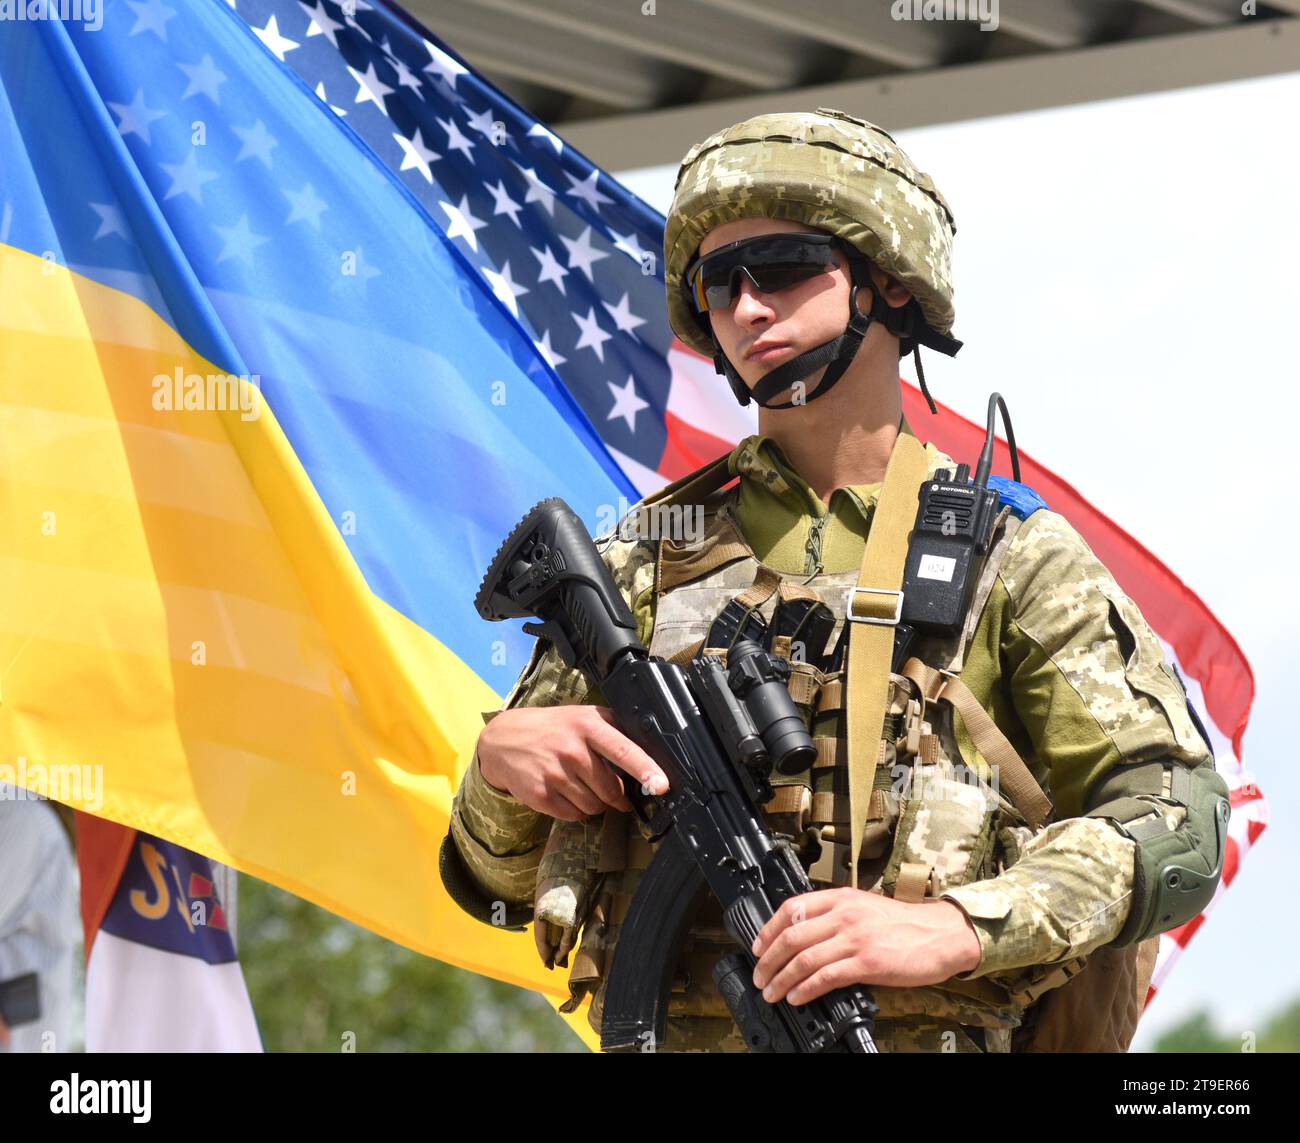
x,y
633,83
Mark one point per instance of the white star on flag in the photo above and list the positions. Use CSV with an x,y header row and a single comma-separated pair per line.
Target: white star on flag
x,y
593,337
552,271
455,140
585,189
415,155
110,220
257,141
405,76
321,24
544,348
505,287
626,402
307,206
275,43
370,88
538,191
238,241
482,122
629,245
134,117
582,254
550,136
188,178
444,67
503,203
150,16
623,316
463,223
204,79
363,271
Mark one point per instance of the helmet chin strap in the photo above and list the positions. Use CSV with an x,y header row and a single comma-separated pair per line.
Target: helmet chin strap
x,y
838,353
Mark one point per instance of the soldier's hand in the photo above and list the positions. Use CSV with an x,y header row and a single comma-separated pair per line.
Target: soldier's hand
x,y
830,938
553,760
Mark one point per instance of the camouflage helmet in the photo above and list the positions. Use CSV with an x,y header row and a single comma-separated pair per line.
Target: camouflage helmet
x,y
826,169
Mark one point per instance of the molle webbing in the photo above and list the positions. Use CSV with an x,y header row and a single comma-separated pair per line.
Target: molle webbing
x,y
1013,775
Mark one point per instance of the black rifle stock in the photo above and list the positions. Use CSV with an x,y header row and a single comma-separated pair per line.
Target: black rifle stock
x,y
716,734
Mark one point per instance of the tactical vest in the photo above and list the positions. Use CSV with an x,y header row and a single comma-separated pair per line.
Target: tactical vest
x,y
935,819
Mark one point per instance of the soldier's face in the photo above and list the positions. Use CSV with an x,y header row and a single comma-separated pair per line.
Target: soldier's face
x,y
793,320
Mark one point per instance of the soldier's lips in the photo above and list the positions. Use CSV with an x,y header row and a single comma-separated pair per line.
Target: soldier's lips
x,y
768,354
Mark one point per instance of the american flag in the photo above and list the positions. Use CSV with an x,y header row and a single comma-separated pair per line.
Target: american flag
x,y
571,253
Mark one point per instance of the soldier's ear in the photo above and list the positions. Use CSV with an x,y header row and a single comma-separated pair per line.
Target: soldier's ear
x,y
894,292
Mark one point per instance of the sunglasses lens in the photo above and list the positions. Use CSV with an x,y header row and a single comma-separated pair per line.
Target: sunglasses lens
x,y
772,262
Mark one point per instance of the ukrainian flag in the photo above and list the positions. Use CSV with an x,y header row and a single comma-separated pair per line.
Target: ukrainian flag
x,y
261,433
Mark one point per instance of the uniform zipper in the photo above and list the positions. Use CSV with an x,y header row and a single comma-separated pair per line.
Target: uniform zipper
x,y
813,564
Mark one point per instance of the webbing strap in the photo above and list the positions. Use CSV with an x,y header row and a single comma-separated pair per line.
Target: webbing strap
x,y
760,591
682,656
913,881
1013,775
871,645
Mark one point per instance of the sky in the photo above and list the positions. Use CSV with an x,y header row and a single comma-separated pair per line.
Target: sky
x,y
1126,277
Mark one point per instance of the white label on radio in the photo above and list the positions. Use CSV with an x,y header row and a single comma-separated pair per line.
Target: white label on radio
x,y
937,567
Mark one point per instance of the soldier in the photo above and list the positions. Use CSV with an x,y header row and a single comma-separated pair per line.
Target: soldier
x,y
1043,797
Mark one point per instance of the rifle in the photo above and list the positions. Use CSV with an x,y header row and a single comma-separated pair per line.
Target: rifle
x,y
716,733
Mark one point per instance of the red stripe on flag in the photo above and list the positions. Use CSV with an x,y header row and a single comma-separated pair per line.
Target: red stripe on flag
x,y
687,448
103,848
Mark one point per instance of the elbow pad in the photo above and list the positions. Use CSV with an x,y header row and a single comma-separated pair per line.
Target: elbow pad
x,y
465,891
1178,819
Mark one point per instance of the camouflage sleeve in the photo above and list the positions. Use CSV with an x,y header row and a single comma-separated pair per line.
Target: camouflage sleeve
x,y
1090,687
500,839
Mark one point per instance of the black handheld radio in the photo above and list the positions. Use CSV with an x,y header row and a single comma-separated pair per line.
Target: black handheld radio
x,y
954,525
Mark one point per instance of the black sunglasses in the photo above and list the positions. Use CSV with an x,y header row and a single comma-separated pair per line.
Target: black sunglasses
x,y
771,261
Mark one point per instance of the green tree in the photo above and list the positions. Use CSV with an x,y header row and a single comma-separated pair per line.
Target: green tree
x,y
314,978
1198,1033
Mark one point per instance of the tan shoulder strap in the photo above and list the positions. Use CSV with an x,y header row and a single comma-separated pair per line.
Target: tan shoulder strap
x,y
873,612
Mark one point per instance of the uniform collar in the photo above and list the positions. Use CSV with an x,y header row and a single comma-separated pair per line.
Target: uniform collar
x,y
762,465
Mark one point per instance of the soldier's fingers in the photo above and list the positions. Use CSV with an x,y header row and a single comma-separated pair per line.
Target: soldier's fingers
x,y
606,784
559,807
838,974
576,791
804,965
610,742
792,912
792,941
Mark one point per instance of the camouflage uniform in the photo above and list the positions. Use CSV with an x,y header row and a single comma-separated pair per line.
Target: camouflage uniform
x,y
1060,659
1057,661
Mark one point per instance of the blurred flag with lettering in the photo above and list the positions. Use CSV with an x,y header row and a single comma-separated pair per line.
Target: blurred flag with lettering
x,y
161,970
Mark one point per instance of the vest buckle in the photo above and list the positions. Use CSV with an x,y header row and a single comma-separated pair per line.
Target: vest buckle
x,y
878,613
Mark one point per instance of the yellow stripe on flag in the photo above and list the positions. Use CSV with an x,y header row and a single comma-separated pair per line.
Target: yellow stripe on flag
x,y
179,612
